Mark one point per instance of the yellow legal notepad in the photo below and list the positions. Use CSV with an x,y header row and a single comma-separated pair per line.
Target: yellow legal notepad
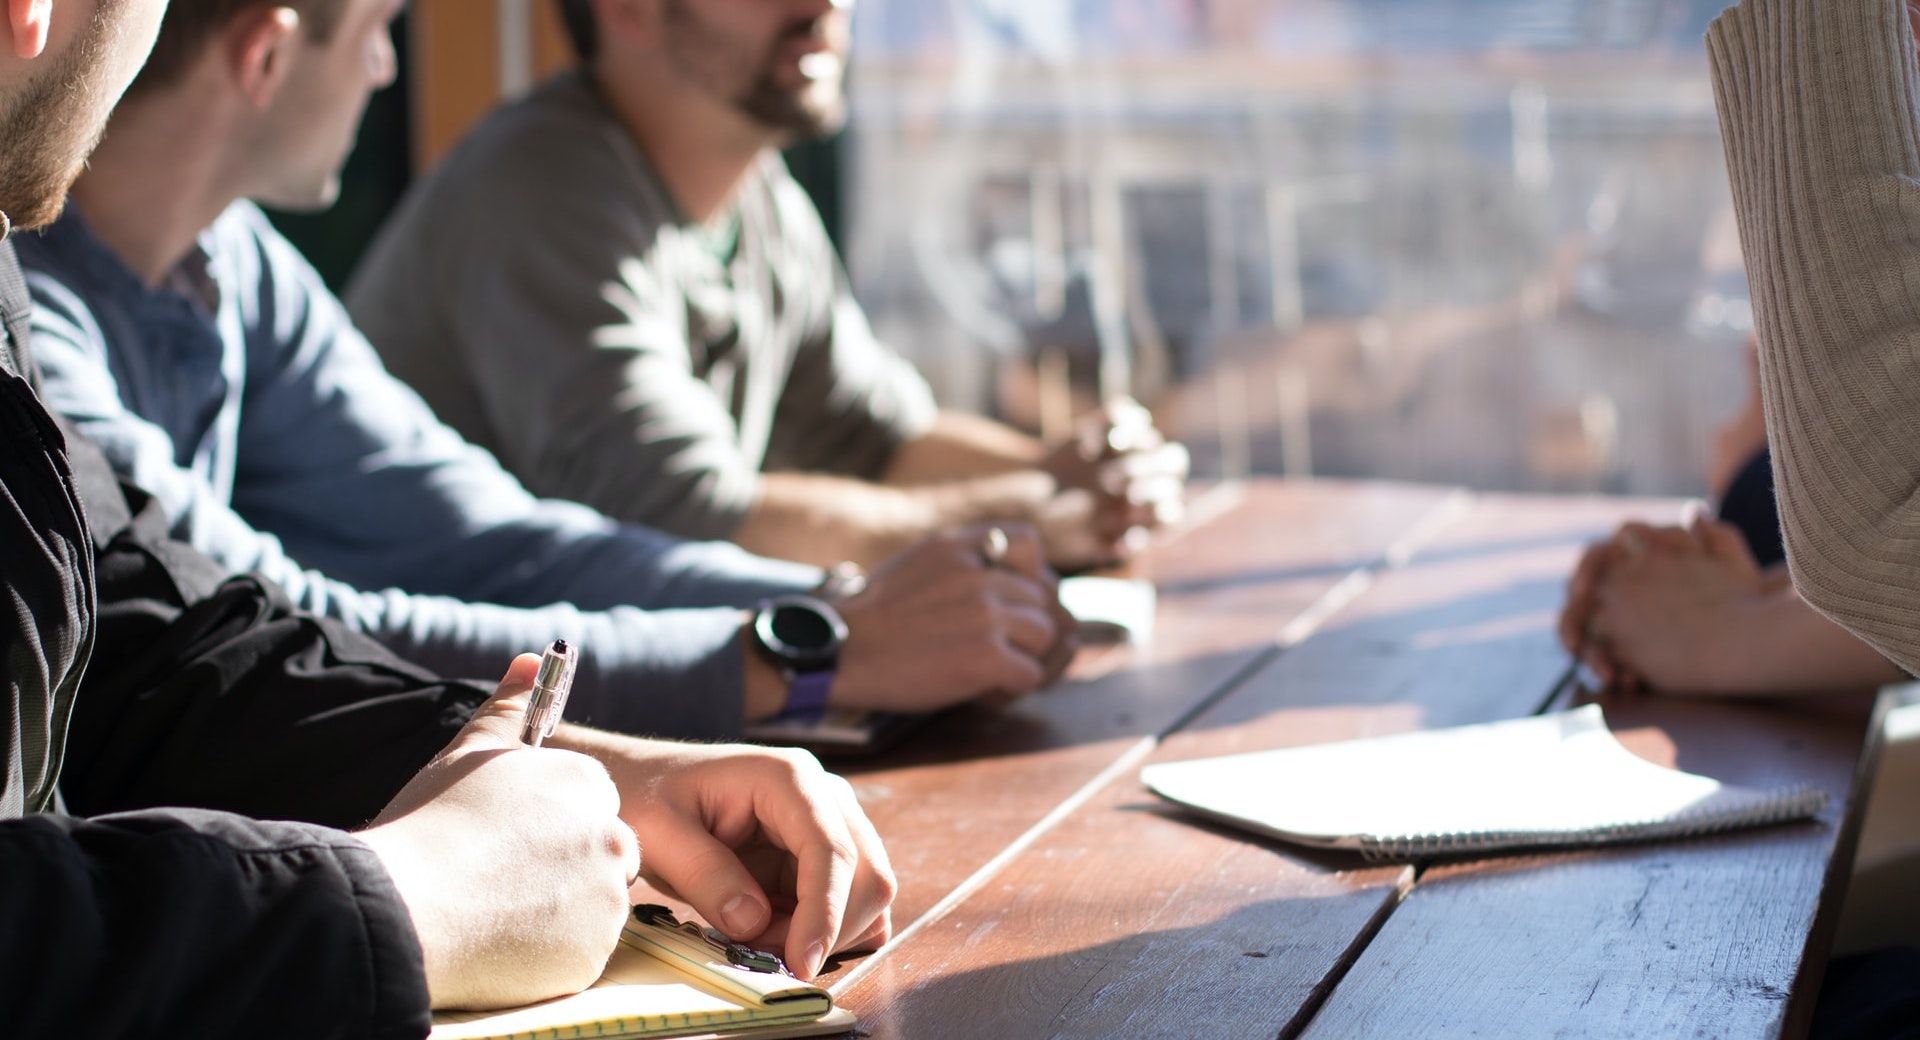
x,y
666,979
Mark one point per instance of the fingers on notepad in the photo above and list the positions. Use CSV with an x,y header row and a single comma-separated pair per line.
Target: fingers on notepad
x,y
844,883
707,874
829,859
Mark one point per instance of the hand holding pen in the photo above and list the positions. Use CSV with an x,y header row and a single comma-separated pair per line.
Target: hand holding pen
x,y
511,813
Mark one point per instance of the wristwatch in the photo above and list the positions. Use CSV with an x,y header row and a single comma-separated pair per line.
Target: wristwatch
x,y
803,636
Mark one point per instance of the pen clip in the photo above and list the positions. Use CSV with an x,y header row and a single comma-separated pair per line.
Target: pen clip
x,y
551,686
739,955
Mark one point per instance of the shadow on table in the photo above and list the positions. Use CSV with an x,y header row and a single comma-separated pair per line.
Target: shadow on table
x,y
1321,861
1472,658
1129,703
1255,972
1450,554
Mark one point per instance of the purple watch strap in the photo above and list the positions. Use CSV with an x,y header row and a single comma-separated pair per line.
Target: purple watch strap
x,y
807,694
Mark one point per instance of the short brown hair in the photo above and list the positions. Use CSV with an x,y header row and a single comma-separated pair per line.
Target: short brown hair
x,y
577,17
189,24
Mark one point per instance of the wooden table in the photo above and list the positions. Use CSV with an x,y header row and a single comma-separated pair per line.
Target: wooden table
x,y
1045,893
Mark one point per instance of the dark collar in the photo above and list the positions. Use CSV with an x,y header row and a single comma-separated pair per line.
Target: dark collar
x,y
15,306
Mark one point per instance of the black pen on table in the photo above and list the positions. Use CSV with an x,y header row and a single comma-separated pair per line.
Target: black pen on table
x,y
551,685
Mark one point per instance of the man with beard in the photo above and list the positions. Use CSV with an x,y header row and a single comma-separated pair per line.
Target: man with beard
x,y
227,919
625,251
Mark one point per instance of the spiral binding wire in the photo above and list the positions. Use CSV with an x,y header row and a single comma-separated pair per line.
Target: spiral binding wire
x,y
1791,803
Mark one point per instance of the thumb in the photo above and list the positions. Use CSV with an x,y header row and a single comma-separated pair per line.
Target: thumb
x,y
497,722
695,865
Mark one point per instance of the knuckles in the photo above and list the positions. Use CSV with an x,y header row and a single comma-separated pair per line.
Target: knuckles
x,y
886,884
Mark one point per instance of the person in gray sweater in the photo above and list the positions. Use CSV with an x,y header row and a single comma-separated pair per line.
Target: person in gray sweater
x,y
624,249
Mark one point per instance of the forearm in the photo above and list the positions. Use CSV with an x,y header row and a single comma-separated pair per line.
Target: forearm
x,y
824,520
1816,104
1788,648
961,446
180,923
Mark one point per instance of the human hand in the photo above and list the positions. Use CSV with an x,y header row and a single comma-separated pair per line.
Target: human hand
x,y
1672,609
766,846
513,861
940,624
1118,477
1576,626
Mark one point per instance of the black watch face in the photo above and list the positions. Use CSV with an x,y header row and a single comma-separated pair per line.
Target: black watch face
x,y
802,629
801,633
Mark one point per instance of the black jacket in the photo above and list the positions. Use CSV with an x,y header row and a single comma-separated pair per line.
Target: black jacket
x,y
203,692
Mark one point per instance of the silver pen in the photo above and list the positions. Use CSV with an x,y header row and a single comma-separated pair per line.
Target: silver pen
x,y
550,688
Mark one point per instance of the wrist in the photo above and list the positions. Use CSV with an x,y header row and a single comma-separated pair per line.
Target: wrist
x,y
764,688
404,869
799,638
1022,495
881,523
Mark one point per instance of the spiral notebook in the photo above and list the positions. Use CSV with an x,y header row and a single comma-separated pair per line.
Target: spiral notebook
x,y
667,979
1550,781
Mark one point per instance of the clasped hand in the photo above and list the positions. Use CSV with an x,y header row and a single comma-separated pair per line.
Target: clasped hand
x,y
1118,478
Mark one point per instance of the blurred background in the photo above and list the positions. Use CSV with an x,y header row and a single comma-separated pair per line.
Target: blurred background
x,y
1484,242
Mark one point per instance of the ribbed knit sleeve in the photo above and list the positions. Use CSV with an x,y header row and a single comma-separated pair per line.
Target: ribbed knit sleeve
x,y
1818,114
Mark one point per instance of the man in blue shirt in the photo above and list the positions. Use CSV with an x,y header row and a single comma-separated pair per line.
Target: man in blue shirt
x,y
193,343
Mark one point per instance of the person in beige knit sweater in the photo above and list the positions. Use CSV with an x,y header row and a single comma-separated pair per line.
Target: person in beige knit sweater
x,y
1820,113
1817,107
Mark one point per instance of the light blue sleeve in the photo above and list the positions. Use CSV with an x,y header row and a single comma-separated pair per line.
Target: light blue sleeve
x,y
357,476
672,672
664,672
78,381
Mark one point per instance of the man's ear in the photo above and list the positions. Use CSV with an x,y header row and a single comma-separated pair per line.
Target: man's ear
x,y
29,21
257,49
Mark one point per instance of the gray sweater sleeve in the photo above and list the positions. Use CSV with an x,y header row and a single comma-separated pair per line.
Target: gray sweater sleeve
x,y
1818,112
562,314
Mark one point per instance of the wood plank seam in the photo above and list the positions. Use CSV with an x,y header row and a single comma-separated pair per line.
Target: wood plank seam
x,y
1397,554
1558,694
1820,937
1564,693
1403,887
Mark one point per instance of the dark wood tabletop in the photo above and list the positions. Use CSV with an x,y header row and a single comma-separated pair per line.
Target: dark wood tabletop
x,y
1046,893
